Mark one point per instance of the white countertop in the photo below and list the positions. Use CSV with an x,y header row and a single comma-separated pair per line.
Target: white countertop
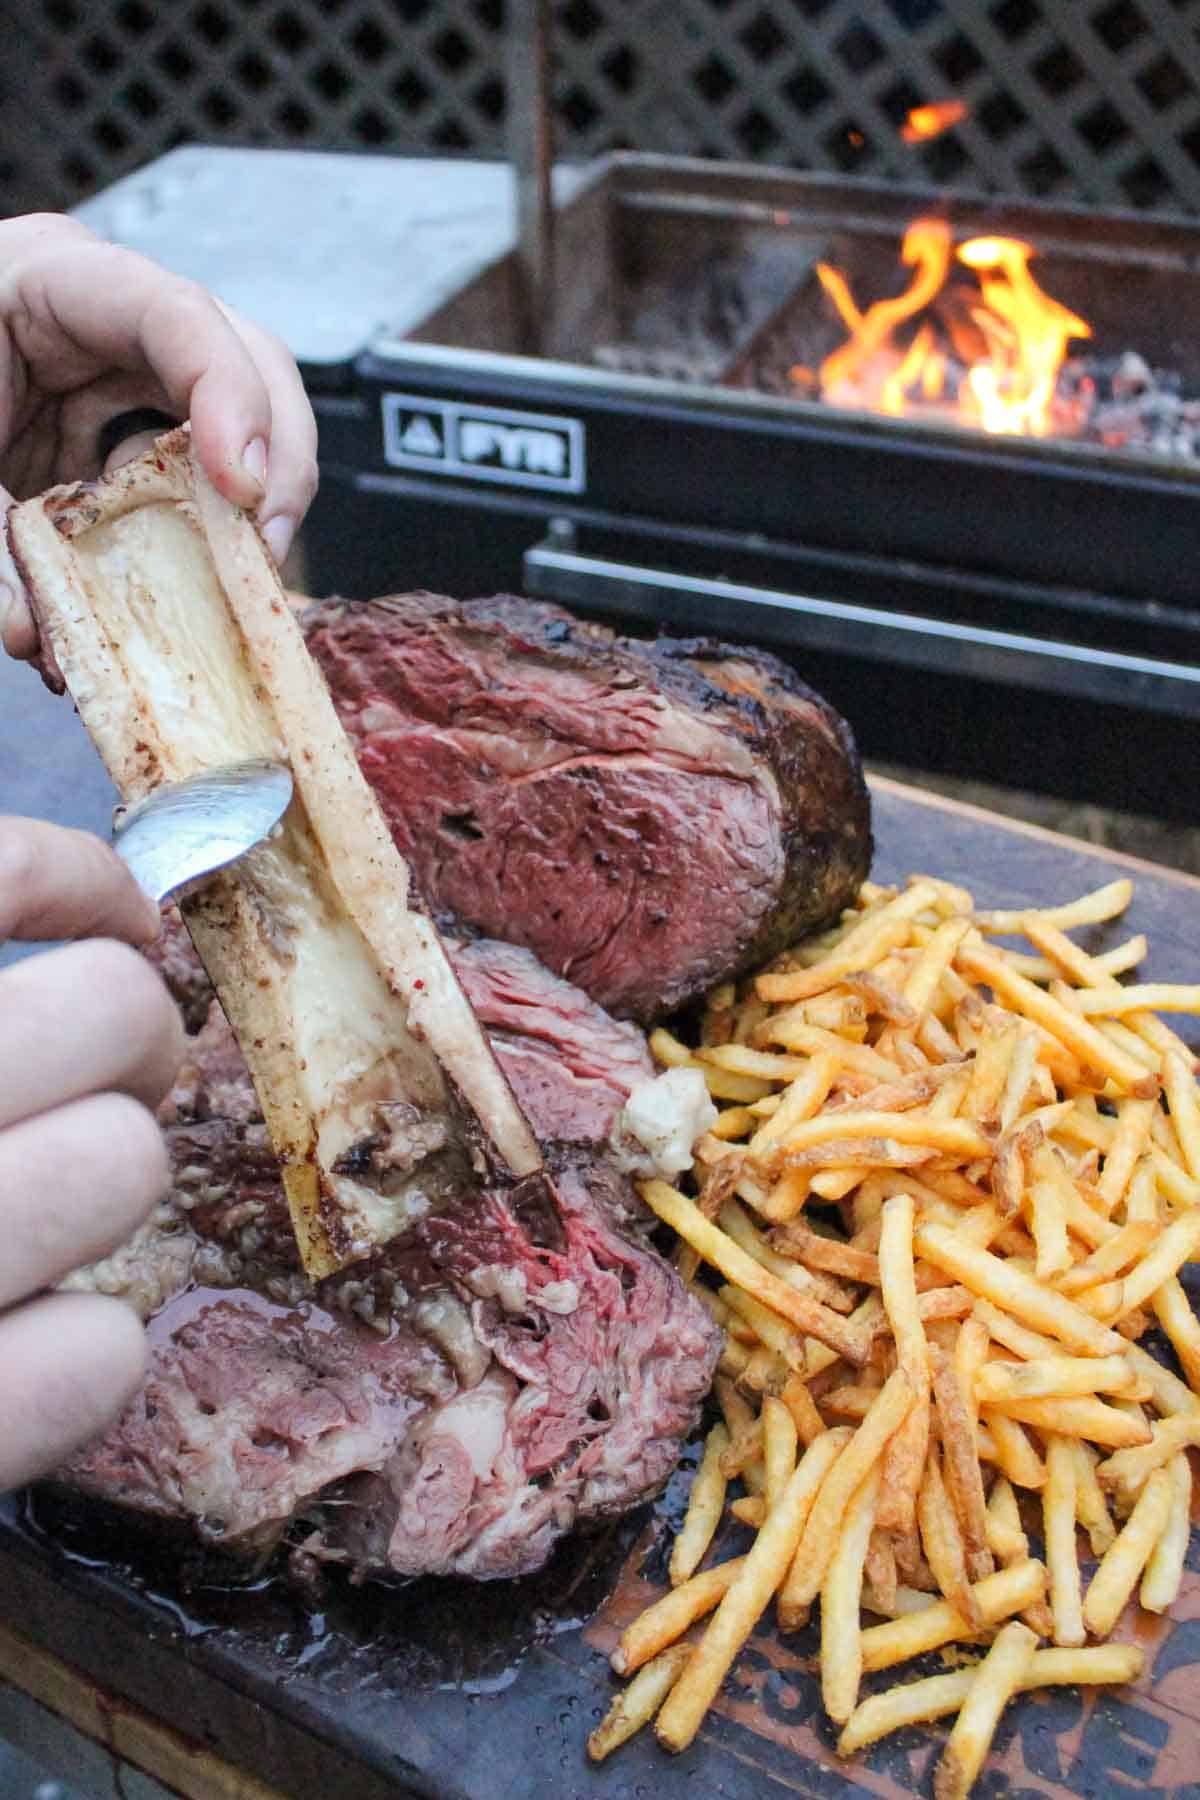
x,y
325,249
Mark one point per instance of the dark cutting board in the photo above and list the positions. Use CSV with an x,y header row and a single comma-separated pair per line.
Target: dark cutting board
x,y
488,1692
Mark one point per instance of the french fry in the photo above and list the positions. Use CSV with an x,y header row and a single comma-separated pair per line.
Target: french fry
x,y
1164,1571
879,1571
748,1595
867,943
895,1606
1005,1533
945,1303
1031,1345
1091,1508
1077,1033
997,1679
818,1252
1109,1259
780,1439
1126,1472
1174,1312
803,1408
1095,908
800,1100
1015,1292
1048,1221
1079,1415
880,997
703,1514
668,1618
638,1703
1014,1453
1150,996
904,1457
954,1137
749,1509
767,1327
1117,1576
1022,1070
841,1594
942,1542
1170,1395
799,1035
922,981
920,1702
733,1122
999,1596
816,1546
1058,1513
1008,1166
1124,1149
964,1480
1053,1375
685,1217
1171,1249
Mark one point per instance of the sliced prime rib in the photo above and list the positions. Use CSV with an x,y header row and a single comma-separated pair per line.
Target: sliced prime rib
x,y
455,1404
647,817
519,1381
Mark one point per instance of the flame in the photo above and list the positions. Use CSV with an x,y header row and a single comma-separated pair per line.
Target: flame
x,y
925,122
988,355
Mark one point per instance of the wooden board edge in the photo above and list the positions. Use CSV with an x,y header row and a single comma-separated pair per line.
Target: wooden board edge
x,y
981,815
122,1729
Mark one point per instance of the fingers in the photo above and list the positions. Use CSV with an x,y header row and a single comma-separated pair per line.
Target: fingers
x,y
71,1362
17,631
291,479
90,1019
78,309
56,883
75,1182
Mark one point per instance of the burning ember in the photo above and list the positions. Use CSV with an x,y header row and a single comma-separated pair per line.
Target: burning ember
x,y
985,351
925,122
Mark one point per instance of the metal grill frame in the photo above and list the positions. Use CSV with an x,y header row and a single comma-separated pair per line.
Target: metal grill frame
x,y
1092,101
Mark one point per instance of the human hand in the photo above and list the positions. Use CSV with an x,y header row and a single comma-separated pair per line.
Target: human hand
x,y
89,1043
89,331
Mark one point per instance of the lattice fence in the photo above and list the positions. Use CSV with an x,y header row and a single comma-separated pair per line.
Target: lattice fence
x,y
1092,100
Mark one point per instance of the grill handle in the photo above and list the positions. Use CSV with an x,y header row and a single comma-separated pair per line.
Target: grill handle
x,y
554,570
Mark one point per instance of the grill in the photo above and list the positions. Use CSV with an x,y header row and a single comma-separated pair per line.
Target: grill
x,y
1013,608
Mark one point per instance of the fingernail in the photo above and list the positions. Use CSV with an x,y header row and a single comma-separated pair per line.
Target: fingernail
x,y
254,460
153,918
278,533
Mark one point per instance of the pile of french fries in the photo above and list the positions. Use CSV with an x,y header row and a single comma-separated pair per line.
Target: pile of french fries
x,y
950,1186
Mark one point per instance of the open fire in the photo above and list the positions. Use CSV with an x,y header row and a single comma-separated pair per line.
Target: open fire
x,y
973,337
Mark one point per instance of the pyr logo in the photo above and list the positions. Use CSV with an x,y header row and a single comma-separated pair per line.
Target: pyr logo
x,y
483,443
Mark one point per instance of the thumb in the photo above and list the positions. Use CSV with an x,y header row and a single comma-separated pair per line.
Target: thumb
x,y
17,629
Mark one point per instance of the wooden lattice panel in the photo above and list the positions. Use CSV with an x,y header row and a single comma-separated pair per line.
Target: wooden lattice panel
x,y
1092,100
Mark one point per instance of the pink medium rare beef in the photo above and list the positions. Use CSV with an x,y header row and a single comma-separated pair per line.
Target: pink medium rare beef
x,y
456,1404
647,817
453,1408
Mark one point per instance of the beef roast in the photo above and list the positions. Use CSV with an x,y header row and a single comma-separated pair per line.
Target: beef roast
x,y
451,1406
648,818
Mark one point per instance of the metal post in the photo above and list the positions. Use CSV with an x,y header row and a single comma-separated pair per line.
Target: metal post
x,y
531,152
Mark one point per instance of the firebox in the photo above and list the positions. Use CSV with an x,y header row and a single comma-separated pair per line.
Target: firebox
x,y
1008,596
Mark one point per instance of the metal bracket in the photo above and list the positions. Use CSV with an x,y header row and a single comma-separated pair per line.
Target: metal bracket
x,y
554,570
